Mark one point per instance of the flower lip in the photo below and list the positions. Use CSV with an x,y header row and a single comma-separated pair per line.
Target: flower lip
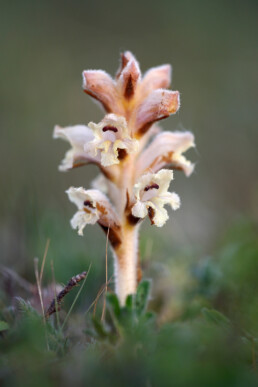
x,y
88,203
110,128
154,185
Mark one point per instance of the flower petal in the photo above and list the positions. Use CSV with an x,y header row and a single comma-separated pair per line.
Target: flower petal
x,y
99,85
126,57
164,150
77,136
170,198
109,158
160,216
163,179
96,207
81,219
158,105
155,78
139,210
128,79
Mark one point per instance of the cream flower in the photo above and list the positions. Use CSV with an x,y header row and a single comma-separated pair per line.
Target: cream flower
x,y
112,140
93,206
77,136
151,193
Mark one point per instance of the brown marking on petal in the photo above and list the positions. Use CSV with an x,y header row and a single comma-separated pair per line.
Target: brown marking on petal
x,y
122,153
87,211
110,128
88,203
132,220
151,214
129,88
113,235
148,187
127,200
101,209
129,78
79,164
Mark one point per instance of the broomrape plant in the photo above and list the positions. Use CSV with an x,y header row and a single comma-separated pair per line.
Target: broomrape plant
x,y
135,171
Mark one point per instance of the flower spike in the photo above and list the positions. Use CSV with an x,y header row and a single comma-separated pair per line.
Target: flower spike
x,y
132,154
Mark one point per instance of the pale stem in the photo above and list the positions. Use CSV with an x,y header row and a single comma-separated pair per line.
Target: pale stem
x,y
126,254
125,261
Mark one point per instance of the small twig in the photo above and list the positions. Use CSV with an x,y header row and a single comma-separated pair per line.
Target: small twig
x,y
56,302
76,297
104,301
43,261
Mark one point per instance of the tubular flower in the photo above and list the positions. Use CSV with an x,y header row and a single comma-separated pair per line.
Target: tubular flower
x,y
77,136
111,140
142,101
93,206
151,193
166,150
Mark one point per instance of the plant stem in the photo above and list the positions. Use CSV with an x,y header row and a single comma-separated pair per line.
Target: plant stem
x,y
125,261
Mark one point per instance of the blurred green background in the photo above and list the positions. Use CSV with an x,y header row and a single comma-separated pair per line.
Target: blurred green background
x,y
45,45
206,256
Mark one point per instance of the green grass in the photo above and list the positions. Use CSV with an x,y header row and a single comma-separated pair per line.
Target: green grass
x,y
194,324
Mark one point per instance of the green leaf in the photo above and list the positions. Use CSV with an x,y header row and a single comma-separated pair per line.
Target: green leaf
x,y
129,302
142,296
3,326
212,315
113,304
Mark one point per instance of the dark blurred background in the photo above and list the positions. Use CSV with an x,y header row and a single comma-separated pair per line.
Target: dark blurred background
x,y
45,45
